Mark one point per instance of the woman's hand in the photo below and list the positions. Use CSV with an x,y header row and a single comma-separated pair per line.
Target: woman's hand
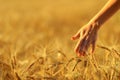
x,y
87,36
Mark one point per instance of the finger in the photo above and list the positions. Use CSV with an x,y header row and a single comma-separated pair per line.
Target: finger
x,y
80,50
81,54
76,36
84,45
77,47
78,54
93,47
93,44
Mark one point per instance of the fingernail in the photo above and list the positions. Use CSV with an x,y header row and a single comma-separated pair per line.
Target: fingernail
x,y
73,38
78,54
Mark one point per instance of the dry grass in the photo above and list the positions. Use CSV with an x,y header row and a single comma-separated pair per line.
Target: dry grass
x,y
35,41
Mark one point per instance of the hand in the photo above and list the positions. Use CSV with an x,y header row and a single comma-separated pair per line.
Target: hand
x,y
87,37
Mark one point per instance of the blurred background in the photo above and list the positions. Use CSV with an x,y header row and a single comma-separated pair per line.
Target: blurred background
x,y
30,29
26,22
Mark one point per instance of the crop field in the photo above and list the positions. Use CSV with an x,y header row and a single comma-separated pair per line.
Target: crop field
x,y
35,41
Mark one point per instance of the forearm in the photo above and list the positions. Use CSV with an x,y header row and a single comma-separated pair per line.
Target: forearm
x,y
106,12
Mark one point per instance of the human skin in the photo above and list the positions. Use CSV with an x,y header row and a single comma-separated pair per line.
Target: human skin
x,y
87,35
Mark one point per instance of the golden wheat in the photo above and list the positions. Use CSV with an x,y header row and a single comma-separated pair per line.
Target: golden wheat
x,y
35,41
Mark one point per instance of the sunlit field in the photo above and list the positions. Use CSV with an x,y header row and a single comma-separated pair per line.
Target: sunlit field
x,y
35,41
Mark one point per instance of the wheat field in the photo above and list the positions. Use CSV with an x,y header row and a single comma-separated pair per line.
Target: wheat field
x,y
35,41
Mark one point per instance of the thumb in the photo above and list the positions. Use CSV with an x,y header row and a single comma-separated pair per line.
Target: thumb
x,y
76,36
